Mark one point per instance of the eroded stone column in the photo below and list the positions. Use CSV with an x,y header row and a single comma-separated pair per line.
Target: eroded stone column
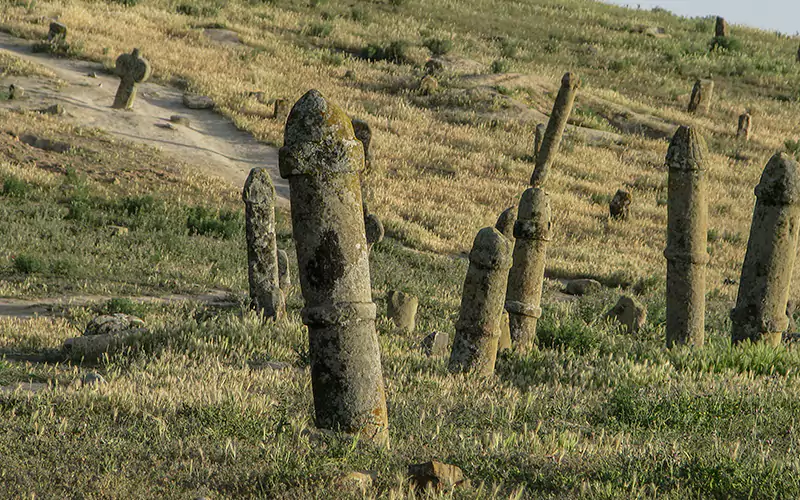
x,y
555,128
478,326
322,159
284,276
262,250
505,224
132,69
524,294
721,28
760,312
701,96
538,139
687,234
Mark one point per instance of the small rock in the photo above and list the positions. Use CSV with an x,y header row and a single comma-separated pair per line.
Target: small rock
x,y
428,85
620,205
45,144
114,324
180,120
436,344
281,109
630,313
92,74
582,287
93,378
192,101
361,479
15,91
55,109
167,126
436,475
401,309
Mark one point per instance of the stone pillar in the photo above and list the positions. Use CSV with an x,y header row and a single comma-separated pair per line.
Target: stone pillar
x,y
401,308
760,312
538,139
620,205
478,326
555,128
721,28
280,109
284,276
687,230
505,224
57,32
745,121
701,96
322,159
132,69
262,250
524,294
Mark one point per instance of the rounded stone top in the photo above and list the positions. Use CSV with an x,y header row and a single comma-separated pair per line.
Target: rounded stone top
x,y
319,137
534,205
505,223
780,182
491,250
570,80
687,150
258,187
133,66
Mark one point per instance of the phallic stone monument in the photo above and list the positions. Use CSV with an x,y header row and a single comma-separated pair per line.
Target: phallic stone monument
x,y
760,312
401,309
687,230
538,138
555,128
262,250
284,276
505,224
132,69
532,232
745,121
322,159
721,28
702,92
478,326
620,205
435,344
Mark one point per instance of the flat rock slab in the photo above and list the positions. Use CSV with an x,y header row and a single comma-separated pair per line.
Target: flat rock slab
x,y
212,144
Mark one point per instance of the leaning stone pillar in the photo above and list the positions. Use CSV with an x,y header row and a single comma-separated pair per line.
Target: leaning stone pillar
x,y
538,138
322,159
721,28
478,327
687,229
262,250
525,281
760,312
700,102
555,128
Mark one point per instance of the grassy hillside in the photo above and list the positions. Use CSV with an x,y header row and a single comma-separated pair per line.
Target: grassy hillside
x,y
198,409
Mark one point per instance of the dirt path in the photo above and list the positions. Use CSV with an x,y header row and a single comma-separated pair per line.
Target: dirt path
x,y
210,142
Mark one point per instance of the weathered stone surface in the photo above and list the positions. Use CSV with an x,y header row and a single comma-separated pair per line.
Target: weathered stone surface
x,y
538,139
436,344
505,223
620,205
745,122
428,85
363,133
114,324
401,309
687,230
374,227
721,28
132,69
760,312
105,335
374,231
284,275
584,286
15,91
504,344
436,475
791,307
262,249
281,109
700,101
555,128
629,313
524,293
478,326
322,159
192,101
57,32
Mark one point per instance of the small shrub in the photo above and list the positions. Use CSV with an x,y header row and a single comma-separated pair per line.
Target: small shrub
x,y
509,48
121,305
188,9
359,15
319,30
207,222
792,147
127,3
725,43
134,205
28,264
15,188
439,46
65,267
500,66
394,52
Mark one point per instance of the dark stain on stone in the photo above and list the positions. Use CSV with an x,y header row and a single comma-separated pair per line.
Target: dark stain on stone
x,y
327,266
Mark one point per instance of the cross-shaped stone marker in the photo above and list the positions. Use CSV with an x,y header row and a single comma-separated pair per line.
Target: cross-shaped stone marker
x,y
132,69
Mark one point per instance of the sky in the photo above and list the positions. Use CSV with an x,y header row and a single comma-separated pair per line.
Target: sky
x,y
780,15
